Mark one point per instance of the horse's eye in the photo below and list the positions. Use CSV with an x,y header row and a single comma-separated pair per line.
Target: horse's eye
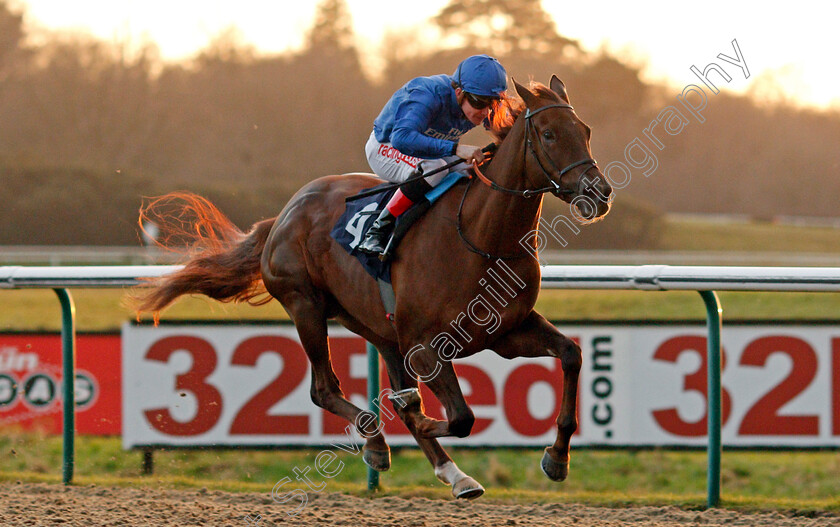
x,y
548,135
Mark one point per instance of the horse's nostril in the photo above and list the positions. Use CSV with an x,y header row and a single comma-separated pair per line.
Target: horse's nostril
x,y
586,209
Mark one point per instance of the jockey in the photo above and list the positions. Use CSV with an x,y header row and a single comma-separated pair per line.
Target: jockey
x,y
418,131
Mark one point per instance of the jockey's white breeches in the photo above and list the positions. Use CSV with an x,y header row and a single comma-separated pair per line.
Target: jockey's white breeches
x,y
392,165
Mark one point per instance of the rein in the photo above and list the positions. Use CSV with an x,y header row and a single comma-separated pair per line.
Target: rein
x,y
527,193
471,246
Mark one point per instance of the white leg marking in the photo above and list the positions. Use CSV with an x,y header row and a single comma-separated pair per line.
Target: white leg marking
x,y
449,473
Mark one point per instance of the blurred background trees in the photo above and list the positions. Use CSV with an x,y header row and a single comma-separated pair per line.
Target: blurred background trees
x,y
88,127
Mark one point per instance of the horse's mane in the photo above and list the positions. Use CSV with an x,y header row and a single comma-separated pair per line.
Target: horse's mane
x,y
508,109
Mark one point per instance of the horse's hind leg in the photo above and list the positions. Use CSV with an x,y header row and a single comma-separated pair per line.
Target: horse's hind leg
x,y
463,486
537,337
308,311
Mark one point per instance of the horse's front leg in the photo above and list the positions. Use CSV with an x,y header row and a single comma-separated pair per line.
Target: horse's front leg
x,y
439,376
537,337
409,406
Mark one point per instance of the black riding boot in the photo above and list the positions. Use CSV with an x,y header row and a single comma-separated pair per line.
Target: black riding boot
x,y
377,236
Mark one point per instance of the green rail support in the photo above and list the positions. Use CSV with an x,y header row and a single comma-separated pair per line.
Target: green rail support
x,y
373,395
68,360
713,360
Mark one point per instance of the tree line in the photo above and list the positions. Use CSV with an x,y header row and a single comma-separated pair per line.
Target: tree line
x,y
87,127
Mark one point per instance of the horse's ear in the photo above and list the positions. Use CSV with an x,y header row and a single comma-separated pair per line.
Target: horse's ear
x,y
559,88
526,94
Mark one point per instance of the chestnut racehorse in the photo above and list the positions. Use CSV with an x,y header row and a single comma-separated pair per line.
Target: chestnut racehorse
x,y
439,271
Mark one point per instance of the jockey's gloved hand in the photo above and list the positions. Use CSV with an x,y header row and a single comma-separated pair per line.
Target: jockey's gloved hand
x,y
470,153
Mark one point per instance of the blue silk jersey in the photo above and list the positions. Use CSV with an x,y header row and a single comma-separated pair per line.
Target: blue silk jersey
x,y
423,119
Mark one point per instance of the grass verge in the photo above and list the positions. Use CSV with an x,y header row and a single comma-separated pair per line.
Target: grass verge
x,y
104,309
801,481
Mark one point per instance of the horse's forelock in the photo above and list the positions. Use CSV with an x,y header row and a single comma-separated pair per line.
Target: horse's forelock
x,y
504,115
509,108
542,91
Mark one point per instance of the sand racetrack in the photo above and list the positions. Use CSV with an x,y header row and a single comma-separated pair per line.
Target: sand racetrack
x,y
93,506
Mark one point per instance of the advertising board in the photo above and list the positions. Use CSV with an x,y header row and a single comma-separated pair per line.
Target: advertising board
x,y
31,381
640,385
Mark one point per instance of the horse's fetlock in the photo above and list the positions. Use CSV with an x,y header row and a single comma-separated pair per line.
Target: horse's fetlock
x,y
368,425
567,425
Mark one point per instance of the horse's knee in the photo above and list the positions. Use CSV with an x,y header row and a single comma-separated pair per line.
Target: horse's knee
x,y
461,423
570,355
317,397
320,395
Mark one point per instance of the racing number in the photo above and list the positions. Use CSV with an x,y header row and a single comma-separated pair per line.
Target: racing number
x,y
356,225
669,418
208,399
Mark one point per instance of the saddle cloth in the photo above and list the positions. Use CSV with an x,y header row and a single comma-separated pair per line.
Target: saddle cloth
x,y
351,227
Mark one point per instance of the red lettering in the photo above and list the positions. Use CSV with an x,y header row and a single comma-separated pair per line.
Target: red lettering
x,y
835,386
253,418
515,401
669,418
208,399
763,418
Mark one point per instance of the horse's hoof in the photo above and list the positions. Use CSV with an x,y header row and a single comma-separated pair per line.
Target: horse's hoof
x,y
555,470
467,489
378,460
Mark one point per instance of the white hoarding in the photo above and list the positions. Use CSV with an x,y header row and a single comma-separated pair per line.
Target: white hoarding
x,y
639,385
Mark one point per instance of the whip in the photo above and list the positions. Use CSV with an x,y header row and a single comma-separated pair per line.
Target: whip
x,y
384,188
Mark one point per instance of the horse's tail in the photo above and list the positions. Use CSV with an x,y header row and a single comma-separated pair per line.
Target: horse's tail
x,y
223,262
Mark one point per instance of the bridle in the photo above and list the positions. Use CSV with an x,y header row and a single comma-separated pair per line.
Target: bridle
x,y
554,187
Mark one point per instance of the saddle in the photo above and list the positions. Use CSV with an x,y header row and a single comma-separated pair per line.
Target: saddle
x,y
351,227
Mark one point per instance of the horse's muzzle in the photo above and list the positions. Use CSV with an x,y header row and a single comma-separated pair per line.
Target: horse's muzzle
x,y
594,200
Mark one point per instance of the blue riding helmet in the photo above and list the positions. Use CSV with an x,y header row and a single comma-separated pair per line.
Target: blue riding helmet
x,y
481,75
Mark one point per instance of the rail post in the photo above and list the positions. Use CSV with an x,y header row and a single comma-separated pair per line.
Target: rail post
x,y
373,395
713,360
68,360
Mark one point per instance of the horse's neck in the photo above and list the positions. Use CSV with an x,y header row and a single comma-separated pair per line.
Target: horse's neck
x,y
499,220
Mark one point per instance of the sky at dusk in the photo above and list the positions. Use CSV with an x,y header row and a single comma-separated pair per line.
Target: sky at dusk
x,y
793,47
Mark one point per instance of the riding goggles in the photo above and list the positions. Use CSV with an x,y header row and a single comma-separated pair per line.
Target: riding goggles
x,y
480,102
